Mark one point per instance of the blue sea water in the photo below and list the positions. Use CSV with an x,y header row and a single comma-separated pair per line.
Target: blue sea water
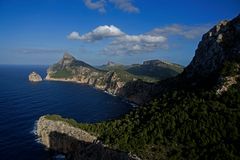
x,y
23,102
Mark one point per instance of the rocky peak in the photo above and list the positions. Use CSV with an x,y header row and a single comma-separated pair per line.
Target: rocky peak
x,y
67,59
219,45
110,63
68,56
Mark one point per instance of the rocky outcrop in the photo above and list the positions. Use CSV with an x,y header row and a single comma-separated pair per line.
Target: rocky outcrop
x,y
216,65
74,142
34,77
112,78
70,69
225,83
219,45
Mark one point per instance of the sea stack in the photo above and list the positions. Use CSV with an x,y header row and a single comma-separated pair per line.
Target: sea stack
x,y
34,77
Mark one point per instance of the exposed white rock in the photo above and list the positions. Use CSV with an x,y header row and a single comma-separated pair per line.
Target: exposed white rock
x,y
226,82
75,142
34,77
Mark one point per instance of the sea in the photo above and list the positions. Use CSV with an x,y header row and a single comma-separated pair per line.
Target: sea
x,y
23,102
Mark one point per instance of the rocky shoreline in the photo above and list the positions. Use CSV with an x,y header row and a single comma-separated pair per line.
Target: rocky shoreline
x,y
75,143
132,103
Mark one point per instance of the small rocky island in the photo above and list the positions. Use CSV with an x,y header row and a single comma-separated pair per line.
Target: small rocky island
x,y
34,77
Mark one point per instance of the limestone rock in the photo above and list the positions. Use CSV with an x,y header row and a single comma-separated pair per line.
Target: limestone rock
x,y
75,143
218,45
225,83
78,71
34,77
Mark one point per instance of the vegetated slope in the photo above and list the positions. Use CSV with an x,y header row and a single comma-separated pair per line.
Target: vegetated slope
x,y
112,80
192,122
156,68
149,71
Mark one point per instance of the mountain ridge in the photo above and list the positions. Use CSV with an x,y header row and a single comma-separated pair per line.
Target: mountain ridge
x,y
111,79
184,117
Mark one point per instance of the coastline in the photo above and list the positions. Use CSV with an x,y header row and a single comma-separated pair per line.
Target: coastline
x,y
133,104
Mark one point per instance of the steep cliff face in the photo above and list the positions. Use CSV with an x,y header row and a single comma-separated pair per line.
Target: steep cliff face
x,y
74,142
216,65
113,78
70,69
218,45
218,49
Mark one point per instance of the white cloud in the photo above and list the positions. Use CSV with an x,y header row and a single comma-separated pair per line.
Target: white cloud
x,y
98,33
123,43
95,5
74,36
189,32
142,38
100,5
135,44
125,5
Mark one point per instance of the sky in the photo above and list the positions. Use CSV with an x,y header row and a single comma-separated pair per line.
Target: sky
x,y
97,31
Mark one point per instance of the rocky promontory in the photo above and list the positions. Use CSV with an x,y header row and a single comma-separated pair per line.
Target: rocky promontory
x,y
112,78
73,70
58,135
34,77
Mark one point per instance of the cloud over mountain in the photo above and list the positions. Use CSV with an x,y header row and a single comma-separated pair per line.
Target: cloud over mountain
x,y
122,43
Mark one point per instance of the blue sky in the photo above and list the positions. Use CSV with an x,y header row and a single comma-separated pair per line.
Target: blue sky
x,y
95,31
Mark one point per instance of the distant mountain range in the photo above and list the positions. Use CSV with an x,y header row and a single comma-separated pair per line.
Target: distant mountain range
x,y
156,69
111,77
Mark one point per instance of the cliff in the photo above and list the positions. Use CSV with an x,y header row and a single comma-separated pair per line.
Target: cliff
x,y
34,77
75,143
187,120
114,78
70,69
215,65
217,59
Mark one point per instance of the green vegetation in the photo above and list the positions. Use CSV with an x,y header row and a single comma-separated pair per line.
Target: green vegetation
x,y
62,74
178,125
230,68
157,72
126,76
147,73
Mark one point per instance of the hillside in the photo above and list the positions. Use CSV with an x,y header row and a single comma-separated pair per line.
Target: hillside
x,y
149,71
110,78
156,68
191,120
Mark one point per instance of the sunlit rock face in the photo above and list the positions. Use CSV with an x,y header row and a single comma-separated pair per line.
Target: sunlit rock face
x,y
75,143
70,69
34,77
218,45
217,59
